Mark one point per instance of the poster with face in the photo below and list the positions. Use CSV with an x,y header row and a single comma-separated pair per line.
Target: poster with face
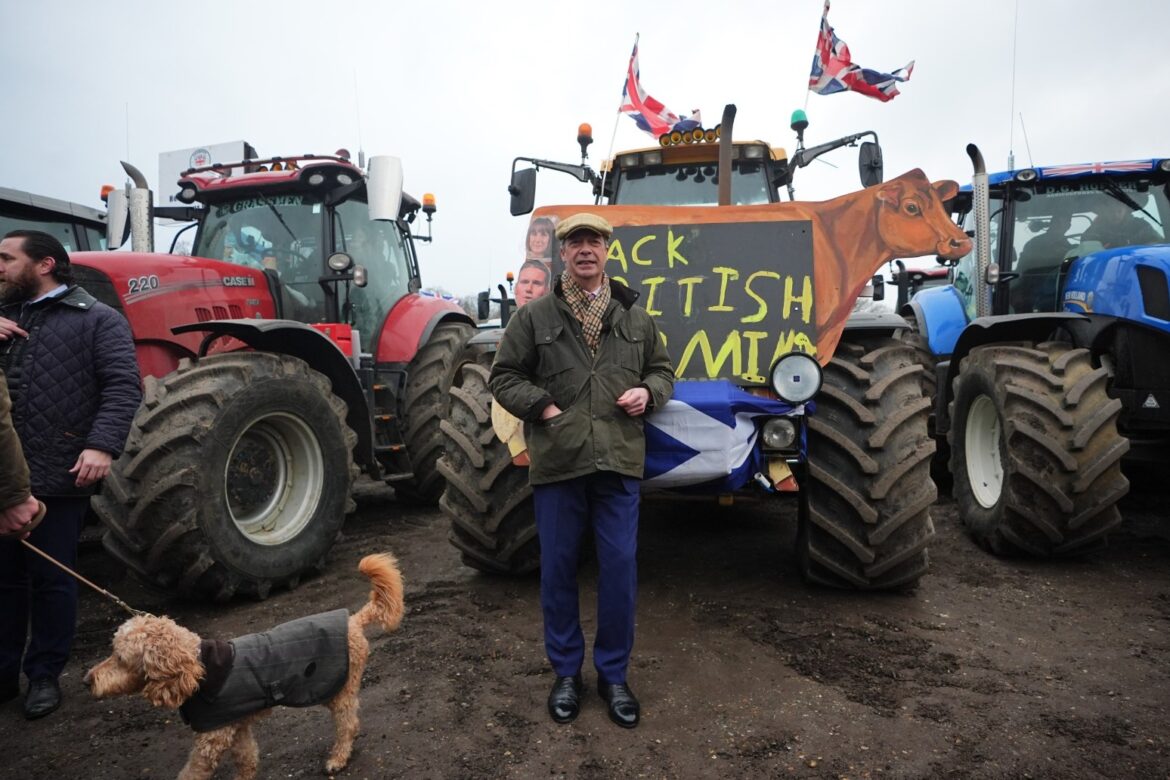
x,y
533,281
534,278
538,242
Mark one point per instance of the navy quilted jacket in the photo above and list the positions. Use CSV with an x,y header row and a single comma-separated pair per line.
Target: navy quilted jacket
x,y
74,385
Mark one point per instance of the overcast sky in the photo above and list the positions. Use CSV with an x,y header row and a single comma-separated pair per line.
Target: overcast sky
x,y
458,89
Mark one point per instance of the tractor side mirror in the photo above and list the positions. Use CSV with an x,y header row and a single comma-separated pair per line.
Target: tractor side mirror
x,y
384,187
117,218
879,287
523,191
869,163
483,305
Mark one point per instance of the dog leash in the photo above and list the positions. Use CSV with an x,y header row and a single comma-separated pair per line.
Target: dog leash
x,y
101,590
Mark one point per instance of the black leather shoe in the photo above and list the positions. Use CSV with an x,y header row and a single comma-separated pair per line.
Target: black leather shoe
x,y
624,709
43,697
564,700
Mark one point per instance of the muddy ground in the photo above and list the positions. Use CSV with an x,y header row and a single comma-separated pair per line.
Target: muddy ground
x,y
992,668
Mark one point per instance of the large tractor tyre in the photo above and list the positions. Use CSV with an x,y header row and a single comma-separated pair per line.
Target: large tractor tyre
x,y
425,404
1035,451
913,338
868,522
488,499
236,477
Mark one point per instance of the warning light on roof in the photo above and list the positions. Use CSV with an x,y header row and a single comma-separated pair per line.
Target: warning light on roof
x,y
429,203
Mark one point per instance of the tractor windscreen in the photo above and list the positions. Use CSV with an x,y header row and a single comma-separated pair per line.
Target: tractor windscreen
x,y
1074,219
282,233
691,184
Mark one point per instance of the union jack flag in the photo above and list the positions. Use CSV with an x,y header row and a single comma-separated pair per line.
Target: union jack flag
x,y
648,113
1127,166
833,69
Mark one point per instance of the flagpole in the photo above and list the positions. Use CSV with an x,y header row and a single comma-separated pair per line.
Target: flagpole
x,y
807,86
617,118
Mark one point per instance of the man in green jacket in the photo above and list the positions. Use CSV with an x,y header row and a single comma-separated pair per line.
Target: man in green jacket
x,y
582,367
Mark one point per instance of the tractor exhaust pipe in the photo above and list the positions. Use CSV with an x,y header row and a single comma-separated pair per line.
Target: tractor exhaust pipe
x,y
140,203
981,203
725,128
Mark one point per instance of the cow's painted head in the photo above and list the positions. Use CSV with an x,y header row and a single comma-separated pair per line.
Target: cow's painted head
x,y
912,221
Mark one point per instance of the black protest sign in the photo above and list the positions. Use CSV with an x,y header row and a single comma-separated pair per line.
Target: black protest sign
x,y
729,297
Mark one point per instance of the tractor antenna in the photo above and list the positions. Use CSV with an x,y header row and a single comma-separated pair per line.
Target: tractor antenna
x,y
357,105
1012,128
1026,144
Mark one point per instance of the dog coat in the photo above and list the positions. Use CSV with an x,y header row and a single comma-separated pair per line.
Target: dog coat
x,y
296,664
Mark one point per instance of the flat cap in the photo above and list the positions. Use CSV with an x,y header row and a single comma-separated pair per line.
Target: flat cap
x,y
584,221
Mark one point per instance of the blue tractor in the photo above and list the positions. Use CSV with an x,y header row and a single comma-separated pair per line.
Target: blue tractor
x,y
1048,354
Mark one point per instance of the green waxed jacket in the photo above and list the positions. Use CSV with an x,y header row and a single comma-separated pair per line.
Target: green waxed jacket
x,y
13,469
543,360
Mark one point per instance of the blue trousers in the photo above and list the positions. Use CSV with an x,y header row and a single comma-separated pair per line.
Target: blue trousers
x,y
36,595
564,510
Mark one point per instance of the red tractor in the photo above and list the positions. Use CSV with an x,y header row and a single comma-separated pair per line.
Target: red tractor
x,y
292,348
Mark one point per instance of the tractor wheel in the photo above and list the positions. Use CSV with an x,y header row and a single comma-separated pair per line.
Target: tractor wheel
x,y
488,499
236,477
1036,454
913,338
425,404
868,522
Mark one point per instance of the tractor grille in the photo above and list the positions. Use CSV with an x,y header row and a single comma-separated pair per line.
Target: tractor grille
x,y
231,312
1142,382
1134,348
1155,292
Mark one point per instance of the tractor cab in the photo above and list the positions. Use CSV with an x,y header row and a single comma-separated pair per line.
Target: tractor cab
x,y
307,223
1043,219
685,174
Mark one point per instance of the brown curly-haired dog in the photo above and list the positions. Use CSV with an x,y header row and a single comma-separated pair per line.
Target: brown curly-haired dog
x,y
162,660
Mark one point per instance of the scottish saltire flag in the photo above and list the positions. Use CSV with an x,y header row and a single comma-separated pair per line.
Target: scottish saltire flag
x,y
706,435
833,69
648,113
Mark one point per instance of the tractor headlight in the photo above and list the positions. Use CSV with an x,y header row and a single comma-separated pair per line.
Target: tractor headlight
x,y
796,377
778,434
339,261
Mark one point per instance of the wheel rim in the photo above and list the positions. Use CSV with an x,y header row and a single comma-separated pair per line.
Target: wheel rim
x,y
273,477
981,445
